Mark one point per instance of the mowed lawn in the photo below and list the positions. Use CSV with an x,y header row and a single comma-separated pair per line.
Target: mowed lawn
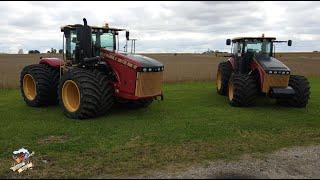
x,y
192,125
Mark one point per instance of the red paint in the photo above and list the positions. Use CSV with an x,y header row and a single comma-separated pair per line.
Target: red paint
x,y
107,53
126,85
53,62
126,77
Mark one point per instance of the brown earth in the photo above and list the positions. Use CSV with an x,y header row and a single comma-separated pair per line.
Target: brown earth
x,y
287,163
180,67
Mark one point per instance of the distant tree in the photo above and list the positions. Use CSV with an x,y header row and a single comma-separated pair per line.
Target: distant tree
x,y
53,51
60,51
20,51
33,52
48,52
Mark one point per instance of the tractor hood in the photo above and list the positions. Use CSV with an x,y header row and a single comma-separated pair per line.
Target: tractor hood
x,y
271,64
144,61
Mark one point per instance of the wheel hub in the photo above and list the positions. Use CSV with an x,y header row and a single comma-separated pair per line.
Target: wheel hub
x,y
71,96
29,87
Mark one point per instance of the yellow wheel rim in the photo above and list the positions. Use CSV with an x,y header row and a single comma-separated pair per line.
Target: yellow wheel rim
x,y
230,91
29,87
70,96
218,80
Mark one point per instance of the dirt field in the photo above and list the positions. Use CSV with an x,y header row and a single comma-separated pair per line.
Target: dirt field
x,y
182,67
288,163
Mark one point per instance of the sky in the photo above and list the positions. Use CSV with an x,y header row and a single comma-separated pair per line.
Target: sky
x,y
165,26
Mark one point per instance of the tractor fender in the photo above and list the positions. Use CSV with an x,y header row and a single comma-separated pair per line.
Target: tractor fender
x,y
53,62
255,66
232,62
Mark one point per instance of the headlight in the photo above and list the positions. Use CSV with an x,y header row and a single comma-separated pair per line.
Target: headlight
x,y
150,69
144,69
270,72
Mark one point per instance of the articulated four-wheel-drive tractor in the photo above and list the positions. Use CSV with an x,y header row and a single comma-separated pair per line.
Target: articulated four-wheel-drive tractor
x,y
252,70
93,75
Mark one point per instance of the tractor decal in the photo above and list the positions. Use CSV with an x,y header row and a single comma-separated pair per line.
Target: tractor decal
x,y
119,59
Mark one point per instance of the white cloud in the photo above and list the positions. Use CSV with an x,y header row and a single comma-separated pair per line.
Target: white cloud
x,y
162,26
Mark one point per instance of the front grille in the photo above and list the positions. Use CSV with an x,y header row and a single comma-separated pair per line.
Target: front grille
x,y
275,80
148,84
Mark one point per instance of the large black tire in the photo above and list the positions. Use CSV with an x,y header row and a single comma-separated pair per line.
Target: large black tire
x,y
242,90
107,92
223,75
301,86
55,75
90,95
45,80
142,103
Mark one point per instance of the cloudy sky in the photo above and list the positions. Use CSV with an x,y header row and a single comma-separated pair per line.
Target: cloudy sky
x,y
163,26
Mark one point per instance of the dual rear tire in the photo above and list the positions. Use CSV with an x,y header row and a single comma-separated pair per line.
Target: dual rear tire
x,y
241,89
82,93
39,84
85,94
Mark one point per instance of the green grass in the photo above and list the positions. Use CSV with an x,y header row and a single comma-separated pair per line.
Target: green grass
x,y
192,125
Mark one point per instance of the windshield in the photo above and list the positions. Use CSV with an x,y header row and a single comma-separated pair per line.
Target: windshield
x,y
104,40
258,46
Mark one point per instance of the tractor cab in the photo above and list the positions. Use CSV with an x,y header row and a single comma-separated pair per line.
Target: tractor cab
x,y
83,42
246,49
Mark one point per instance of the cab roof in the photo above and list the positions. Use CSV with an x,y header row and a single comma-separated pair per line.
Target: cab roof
x,y
243,38
94,28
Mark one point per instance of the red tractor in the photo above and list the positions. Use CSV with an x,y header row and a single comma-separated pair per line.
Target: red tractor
x,y
93,75
253,70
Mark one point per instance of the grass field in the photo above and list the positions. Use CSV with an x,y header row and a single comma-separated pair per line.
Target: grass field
x,y
192,125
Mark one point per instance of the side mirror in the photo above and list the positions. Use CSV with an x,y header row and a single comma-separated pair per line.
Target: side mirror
x,y
228,42
290,43
127,35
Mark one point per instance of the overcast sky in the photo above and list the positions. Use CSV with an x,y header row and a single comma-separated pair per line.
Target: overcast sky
x,y
163,26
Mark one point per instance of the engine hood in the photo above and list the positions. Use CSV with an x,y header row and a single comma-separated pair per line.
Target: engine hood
x,y
135,61
270,63
144,61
